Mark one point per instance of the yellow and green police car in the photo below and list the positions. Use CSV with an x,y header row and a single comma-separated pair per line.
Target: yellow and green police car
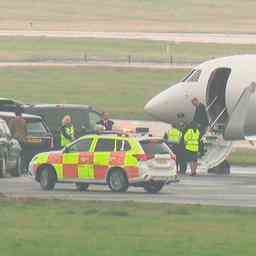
x,y
110,159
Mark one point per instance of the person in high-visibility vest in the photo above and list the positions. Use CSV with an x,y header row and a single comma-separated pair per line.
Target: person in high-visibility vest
x,y
67,132
173,137
191,141
181,157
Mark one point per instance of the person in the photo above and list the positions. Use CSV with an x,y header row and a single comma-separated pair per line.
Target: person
x,y
191,141
172,137
18,130
181,152
202,121
18,126
106,122
67,131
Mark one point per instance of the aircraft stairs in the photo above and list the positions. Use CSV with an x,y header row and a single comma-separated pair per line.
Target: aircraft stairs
x,y
219,141
216,151
216,148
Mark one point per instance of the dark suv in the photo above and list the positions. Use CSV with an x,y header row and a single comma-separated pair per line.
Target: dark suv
x,y
39,137
84,118
10,152
9,105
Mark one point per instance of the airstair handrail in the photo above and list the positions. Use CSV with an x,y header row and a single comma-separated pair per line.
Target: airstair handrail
x,y
212,103
218,117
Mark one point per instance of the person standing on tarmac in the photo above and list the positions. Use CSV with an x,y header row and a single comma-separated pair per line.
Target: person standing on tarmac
x,y
202,121
181,157
106,122
191,141
18,130
67,131
172,138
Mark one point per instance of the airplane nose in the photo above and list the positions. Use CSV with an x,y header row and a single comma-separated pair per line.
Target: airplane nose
x,y
169,104
153,106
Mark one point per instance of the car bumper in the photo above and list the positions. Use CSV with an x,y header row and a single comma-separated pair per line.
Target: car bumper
x,y
155,176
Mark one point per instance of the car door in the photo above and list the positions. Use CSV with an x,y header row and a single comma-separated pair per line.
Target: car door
x,y
78,161
102,154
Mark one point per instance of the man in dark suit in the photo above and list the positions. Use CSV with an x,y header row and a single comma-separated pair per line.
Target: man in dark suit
x,y
201,119
107,123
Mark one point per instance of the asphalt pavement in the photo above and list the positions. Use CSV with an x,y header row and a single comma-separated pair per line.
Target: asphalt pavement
x,y
239,189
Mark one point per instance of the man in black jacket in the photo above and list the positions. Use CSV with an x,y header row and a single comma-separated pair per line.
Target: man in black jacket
x,y
201,119
106,122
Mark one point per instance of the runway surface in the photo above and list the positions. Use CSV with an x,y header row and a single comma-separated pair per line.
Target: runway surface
x,y
169,37
235,190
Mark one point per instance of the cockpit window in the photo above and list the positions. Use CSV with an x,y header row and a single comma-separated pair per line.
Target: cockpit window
x,y
187,76
193,76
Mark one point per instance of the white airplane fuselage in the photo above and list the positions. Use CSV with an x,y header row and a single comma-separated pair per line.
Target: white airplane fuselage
x,y
219,84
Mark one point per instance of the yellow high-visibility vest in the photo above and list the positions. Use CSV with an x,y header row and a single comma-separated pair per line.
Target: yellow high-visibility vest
x,y
191,139
174,135
71,132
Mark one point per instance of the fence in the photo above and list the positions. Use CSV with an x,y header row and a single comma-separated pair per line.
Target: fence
x,y
87,58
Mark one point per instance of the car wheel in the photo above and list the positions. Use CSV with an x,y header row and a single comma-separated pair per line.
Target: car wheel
x,y
82,186
117,181
47,178
17,171
3,167
153,187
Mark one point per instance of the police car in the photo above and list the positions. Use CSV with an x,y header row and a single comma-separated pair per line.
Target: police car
x,y
110,159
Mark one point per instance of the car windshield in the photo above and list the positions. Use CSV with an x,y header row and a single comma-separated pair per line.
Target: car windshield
x,y
154,147
54,116
36,127
94,118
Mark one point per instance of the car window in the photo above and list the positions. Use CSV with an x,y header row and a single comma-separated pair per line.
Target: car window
x,y
81,146
105,145
154,147
2,131
122,145
94,118
54,116
35,127
6,129
79,118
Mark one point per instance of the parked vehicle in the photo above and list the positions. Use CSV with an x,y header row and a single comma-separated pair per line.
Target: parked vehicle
x,y
84,118
9,105
109,159
39,137
10,152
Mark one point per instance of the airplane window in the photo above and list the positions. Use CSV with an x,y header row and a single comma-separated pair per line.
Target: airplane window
x,y
188,76
195,77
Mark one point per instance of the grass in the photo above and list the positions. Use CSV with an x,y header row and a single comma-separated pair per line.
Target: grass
x,y
120,91
90,228
243,157
130,15
20,48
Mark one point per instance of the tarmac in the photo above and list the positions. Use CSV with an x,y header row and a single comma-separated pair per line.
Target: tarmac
x,y
238,189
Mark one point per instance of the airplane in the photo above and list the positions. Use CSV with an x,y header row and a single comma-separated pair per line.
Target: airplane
x,y
227,88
